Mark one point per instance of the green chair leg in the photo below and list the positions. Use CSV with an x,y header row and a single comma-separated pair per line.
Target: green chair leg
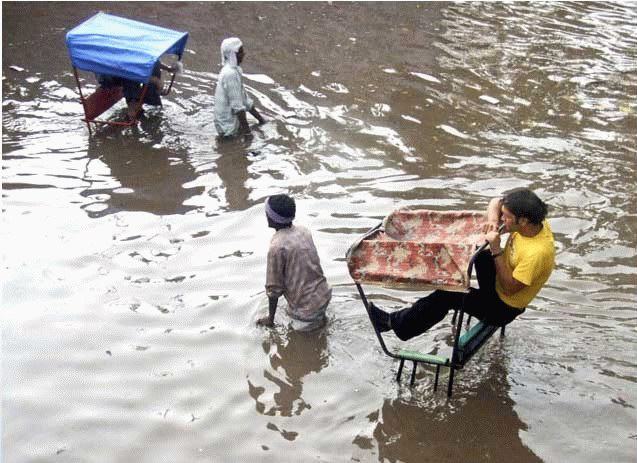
x,y
413,374
436,380
400,369
450,384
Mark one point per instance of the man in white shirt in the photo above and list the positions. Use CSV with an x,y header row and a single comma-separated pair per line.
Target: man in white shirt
x,y
231,100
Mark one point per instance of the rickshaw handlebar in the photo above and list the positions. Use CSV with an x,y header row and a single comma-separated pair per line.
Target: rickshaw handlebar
x,y
486,243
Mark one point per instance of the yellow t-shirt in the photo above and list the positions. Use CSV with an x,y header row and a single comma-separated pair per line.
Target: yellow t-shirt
x,y
532,260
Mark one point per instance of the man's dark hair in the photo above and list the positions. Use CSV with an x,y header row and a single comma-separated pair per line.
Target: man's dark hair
x,y
283,205
522,202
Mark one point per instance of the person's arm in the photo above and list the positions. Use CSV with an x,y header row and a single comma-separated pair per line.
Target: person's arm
x,y
176,68
243,122
504,273
274,283
257,115
494,211
269,320
166,67
157,80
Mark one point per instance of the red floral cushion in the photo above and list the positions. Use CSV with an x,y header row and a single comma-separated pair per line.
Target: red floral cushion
x,y
419,249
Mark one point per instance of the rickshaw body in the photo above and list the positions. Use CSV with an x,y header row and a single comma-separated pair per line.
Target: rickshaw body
x,y
122,48
424,250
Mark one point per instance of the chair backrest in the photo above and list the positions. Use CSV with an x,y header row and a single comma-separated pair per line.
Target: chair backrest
x,y
471,341
101,100
465,345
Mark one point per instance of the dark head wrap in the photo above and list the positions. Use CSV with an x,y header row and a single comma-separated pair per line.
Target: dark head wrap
x,y
280,209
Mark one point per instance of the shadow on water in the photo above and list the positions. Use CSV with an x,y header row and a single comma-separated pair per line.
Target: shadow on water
x,y
151,176
292,356
484,428
232,167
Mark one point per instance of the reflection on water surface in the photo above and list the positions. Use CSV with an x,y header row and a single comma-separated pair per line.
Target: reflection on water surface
x,y
134,260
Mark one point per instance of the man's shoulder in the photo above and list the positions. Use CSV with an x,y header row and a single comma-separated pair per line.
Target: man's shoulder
x,y
276,241
542,248
291,237
301,229
228,71
547,241
280,239
302,233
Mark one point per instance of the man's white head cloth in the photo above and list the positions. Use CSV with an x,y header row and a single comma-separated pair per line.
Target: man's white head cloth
x,y
229,49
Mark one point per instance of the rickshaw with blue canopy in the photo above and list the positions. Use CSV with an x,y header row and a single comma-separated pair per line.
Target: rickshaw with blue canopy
x,y
125,56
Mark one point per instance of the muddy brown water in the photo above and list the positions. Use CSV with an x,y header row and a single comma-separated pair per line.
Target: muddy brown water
x,y
133,260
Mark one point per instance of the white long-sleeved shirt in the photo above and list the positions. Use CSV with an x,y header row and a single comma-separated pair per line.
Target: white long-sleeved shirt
x,y
230,99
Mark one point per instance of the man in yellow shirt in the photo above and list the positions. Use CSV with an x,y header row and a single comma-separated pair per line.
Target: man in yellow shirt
x,y
508,278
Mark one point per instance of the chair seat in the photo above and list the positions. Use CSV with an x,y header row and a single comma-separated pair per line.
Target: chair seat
x,y
421,357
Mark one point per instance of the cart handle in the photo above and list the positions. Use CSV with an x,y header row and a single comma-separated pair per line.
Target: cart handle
x,y
486,243
166,90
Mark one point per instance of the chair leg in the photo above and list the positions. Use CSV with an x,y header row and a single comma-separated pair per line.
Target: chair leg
x,y
436,380
502,331
413,374
400,369
450,384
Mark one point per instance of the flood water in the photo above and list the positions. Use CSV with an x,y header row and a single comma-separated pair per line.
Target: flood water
x,y
134,260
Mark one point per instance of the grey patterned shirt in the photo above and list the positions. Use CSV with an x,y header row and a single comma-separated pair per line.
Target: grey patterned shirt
x,y
294,271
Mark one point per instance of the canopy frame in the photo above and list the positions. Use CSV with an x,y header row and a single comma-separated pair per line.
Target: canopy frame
x,y
86,41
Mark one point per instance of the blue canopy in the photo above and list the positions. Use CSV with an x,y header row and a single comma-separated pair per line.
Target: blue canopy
x,y
107,44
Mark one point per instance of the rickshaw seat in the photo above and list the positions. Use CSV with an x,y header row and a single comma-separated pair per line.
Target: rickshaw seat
x,y
424,250
101,101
